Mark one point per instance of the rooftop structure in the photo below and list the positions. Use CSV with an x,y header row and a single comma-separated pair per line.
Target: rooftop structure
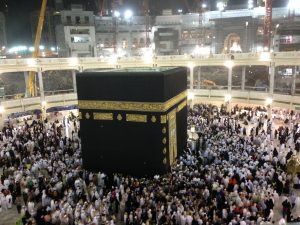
x,y
210,32
75,32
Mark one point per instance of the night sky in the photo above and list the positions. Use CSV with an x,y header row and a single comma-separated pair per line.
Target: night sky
x,y
18,20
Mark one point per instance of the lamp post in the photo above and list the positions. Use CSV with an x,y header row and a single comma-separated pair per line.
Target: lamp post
x,y
2,116
190,98
246,37
44,115
269,102
221,6
250,4
115,17
193,139
193,130
275,37
128,16
229,64
227,100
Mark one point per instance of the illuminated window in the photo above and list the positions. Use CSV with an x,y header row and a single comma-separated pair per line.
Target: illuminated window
x,y
289,39
260,31
185,35
124,43
80,31
77,39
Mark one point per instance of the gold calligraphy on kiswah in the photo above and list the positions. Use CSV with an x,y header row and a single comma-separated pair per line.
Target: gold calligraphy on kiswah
x,y
132,106
103,116
136,118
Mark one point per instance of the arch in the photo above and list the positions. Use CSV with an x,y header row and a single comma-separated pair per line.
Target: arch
x,y
232,40
106,42
124,43
135,43
142,42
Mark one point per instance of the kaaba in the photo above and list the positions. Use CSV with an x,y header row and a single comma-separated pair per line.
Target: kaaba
x,y
132,122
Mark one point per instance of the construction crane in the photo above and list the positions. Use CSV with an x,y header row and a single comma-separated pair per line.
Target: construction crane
x,y
35,54
268,24
100,7
147,22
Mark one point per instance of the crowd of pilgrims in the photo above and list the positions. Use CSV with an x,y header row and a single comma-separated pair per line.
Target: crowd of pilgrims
x,y
231,176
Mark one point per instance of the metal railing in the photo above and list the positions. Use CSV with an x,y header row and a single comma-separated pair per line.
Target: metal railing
x,y
287,91
282,91
56,92
14,103
45,64
297,91
225,87
259,89
23,95
13,96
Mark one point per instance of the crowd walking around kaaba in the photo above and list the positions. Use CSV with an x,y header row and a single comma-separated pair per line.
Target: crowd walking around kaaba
x,y
233,173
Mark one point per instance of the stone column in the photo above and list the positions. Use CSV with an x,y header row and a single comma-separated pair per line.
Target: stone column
x,y
26,78
199,77
272,79
191,77
74,81
229,79
44,111
270,112
243,77
130,39
3,116
41,85
293,88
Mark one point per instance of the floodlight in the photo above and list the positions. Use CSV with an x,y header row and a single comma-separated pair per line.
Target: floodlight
x,y
128,14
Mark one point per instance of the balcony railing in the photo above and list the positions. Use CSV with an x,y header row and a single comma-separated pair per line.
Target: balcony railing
x,y
14,103
57,92
47,93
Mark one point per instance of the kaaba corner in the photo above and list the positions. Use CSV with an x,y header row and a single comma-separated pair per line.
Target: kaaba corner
x,y
133,121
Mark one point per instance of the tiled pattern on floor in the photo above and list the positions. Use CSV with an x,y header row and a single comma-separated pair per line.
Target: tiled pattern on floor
x,y
9,217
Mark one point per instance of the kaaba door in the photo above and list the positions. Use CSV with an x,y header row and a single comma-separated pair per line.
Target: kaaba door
x,y
172,136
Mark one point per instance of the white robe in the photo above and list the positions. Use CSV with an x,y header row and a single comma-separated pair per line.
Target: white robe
x,y
3,202
9,201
